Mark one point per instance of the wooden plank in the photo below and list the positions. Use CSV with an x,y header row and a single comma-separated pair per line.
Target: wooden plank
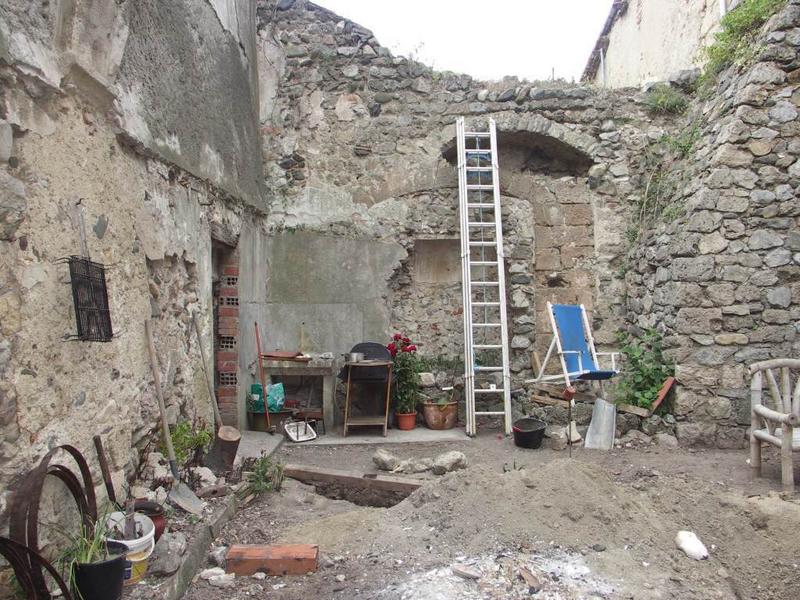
x,y
548,401
662,393
636,410
557,391
351,479
284,559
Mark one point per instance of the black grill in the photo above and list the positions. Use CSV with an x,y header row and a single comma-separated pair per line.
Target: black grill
x,y
90,297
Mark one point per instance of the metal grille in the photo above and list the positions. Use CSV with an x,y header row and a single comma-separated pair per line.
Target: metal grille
x,y
226,342
90,298
227,379
231,281
230,300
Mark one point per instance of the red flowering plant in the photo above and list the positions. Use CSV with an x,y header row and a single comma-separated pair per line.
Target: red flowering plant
x,y
406,370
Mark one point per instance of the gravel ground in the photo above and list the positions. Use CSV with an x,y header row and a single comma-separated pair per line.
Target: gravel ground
x,y
599,525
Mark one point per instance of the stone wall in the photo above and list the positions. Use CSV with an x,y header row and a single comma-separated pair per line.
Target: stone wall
x,y
144,114
360,145
722,281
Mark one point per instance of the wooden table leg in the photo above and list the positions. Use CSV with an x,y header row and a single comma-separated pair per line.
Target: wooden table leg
x,y
328,399
388,396
347,402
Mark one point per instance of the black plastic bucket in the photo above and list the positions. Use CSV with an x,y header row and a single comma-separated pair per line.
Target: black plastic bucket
x,y
528,432
102,580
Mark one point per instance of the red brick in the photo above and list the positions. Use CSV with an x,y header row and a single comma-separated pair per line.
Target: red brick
x,y
232,271
229,291
286,559
226,392
226,356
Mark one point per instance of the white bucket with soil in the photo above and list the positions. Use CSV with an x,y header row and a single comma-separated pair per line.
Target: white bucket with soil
x,y
138,549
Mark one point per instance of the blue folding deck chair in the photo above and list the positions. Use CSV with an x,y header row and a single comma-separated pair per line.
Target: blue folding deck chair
x,y
573,341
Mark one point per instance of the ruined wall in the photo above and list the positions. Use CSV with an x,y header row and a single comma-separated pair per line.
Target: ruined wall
x,y
650,40
360,145
722,280
146,112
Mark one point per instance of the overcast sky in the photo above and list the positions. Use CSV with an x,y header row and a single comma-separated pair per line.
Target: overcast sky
x,y
488,39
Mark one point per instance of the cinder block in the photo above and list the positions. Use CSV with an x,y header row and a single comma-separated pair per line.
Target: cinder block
x,y
286,559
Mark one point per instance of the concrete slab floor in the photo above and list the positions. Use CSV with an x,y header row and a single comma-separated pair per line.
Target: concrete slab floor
x,y
255,442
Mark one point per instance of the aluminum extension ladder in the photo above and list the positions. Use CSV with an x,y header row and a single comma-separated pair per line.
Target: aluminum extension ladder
x,y
482,274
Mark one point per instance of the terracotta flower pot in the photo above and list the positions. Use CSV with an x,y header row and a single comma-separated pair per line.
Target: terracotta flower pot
x,y
440,416
406,421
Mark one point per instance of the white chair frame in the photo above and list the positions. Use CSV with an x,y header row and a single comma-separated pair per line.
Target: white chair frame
x,y
784,415
555,344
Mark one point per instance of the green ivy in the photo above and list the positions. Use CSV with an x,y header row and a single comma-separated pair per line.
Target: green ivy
x,y
644,370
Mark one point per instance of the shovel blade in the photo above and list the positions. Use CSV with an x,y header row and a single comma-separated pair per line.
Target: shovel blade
x,y
600,434
184,498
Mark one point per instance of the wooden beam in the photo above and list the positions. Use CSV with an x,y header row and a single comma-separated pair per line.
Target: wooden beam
x,y
350,479
636,410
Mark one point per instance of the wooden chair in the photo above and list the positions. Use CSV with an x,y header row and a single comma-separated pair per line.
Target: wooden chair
x,y
775,413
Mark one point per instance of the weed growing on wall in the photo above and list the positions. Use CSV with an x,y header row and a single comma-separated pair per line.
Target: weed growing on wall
x,y
735,43
190,442
644,369
664,99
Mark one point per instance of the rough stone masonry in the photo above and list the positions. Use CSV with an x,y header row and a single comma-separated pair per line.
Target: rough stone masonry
x,y
291,136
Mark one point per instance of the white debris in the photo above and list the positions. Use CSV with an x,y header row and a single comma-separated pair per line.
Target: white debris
x,y
691,545
212,572
223,581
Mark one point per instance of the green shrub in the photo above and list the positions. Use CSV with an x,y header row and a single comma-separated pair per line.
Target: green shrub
x,y
190,442
683,143
644,369
664,99
266,476
735,43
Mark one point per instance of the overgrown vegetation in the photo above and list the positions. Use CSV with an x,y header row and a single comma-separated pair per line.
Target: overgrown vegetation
x,y
191,442
644,369
735,43
664,99
266,476
683,143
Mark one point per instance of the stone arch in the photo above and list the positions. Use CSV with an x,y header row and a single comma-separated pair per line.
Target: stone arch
x,y
571,149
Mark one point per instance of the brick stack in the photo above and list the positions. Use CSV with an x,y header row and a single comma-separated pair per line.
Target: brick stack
x,y
227,339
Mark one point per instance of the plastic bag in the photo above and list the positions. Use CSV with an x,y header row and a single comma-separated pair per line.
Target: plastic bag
x,y
275,398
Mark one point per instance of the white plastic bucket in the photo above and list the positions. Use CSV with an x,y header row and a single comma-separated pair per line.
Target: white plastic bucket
x,y
138,550
144,524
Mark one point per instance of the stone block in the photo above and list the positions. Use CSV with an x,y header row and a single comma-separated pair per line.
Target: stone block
x,y
6,141
704,221
763,239
578,214
730,339
548,259
699,434
699,268
699,320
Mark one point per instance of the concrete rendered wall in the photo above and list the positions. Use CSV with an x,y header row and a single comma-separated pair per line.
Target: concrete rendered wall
x,y
146,112
656,38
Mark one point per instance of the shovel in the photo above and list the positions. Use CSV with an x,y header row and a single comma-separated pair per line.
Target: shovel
x,y
180,493
228,438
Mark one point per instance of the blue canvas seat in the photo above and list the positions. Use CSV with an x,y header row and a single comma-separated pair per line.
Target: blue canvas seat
x,y
574,344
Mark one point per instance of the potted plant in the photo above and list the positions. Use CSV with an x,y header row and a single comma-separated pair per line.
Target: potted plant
x,y
405,374
440,413
94,566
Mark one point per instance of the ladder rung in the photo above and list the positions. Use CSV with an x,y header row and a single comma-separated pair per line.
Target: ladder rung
x,y
477,134
483,263
486,346
484,283
488,368
483,243
480,224
485,304
485,391
478,150
482,169
481,186
490,412
487,324
480,205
